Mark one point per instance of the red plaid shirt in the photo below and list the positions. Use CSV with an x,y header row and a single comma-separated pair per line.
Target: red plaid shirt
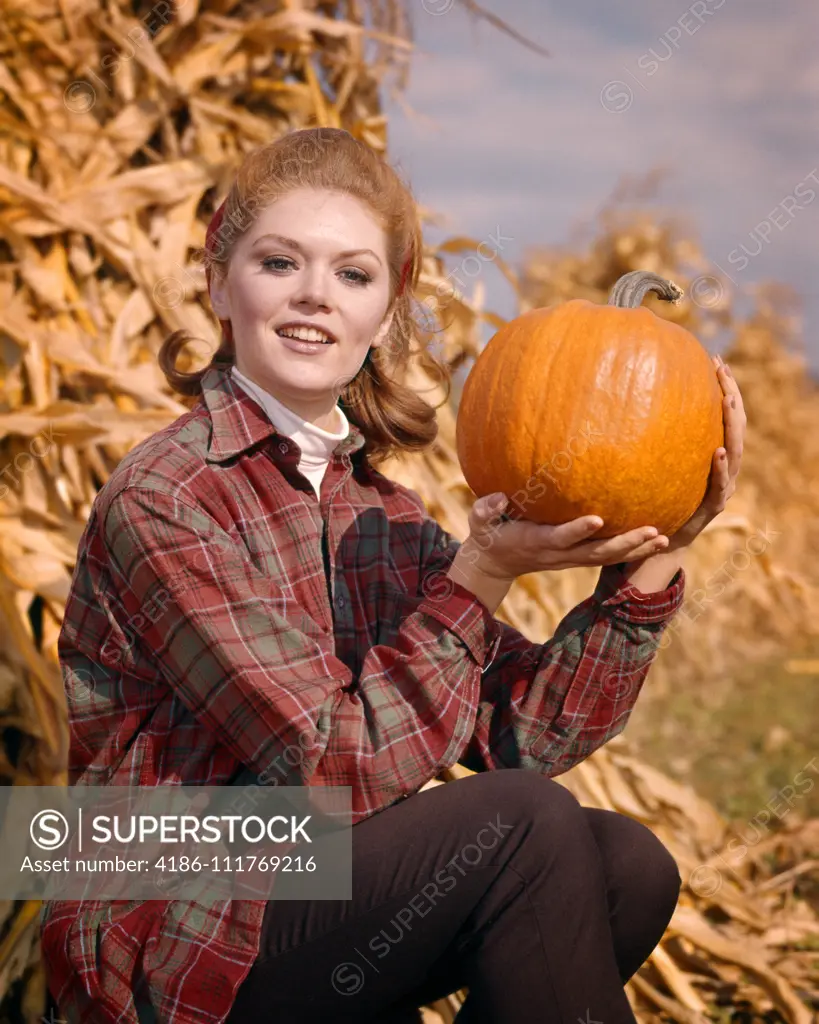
x,y
222,617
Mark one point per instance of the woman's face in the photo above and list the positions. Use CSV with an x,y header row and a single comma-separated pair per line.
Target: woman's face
x,y
316,259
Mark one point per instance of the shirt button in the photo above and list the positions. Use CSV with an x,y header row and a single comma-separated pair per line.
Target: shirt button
x,y
340,601
283,448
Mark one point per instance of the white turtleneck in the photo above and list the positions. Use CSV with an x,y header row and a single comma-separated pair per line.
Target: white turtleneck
x,y
316,444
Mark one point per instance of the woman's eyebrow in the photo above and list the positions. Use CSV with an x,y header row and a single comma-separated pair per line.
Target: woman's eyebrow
x,y
291,243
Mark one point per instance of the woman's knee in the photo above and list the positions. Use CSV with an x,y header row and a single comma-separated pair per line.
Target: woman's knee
x,y
635,860
518,796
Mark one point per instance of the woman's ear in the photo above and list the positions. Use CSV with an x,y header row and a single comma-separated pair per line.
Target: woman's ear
x,y
383,330
218,298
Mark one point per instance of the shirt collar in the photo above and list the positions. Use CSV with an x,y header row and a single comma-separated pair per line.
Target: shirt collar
x,y
239,422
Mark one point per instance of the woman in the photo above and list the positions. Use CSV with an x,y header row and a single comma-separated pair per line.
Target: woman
x,y
253,598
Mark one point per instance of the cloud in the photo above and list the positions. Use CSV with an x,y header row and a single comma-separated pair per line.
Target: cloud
x,y
535,144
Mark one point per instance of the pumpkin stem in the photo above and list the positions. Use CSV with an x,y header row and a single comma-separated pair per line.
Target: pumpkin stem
x,y
632,288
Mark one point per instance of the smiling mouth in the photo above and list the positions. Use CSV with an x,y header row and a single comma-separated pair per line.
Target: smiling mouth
x,y
309,336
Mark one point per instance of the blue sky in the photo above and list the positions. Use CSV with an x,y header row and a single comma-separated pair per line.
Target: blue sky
x,y
724,94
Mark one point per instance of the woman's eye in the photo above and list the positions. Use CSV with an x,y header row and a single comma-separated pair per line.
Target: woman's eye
x,y
359,277
269,261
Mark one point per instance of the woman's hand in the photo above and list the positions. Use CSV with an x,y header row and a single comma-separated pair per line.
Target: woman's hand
x,y
506,550
725,464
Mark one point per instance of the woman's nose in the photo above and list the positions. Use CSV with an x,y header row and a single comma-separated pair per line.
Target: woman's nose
x,y
313,288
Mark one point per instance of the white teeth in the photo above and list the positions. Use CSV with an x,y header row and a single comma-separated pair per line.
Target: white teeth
x,y
305,334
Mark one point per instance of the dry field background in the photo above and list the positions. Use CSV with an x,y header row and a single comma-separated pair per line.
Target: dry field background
x,y
120,127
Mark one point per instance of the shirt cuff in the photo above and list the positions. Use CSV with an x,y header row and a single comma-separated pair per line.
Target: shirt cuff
x,y
627,602
468,618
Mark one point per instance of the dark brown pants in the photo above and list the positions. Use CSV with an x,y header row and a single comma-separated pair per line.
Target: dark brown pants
x,y
500,883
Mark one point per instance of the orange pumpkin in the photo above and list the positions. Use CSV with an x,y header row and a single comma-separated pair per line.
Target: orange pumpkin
x,y
584,409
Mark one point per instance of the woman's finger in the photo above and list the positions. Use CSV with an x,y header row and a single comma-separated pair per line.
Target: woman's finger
x,y
634,552
719,486
734,418
631,540
623,548
566,535
734,436
729,385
